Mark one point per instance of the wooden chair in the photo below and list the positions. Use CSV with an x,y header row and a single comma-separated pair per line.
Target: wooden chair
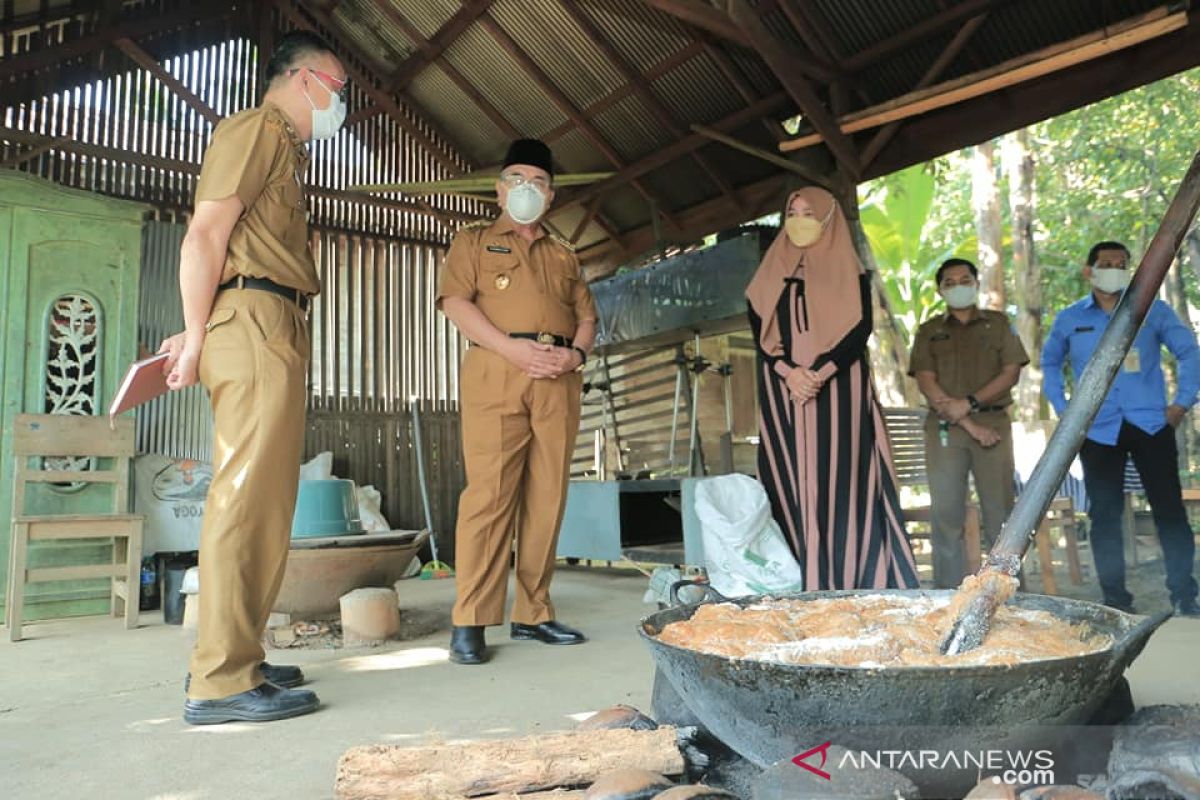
x,y
1060,515
1029,442
38,436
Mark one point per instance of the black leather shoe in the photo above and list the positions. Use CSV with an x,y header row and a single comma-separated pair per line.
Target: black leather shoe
x,y
1126,607
284,675
1187,608
552,632
467,645
264,703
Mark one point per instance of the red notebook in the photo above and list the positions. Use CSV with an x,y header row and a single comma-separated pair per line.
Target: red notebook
x,y
143,382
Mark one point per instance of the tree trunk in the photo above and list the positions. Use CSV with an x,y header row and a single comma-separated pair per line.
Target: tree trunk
x,y
1026,271
500,767
985,200
888,350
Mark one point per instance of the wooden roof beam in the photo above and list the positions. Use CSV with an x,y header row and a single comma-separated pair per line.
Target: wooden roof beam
x,y
102,37
885,134
738,81
801,91
564,104
428,51
1003,76
771,104
700,220
608,101
152,65
122,156
642,88
700,14
922,30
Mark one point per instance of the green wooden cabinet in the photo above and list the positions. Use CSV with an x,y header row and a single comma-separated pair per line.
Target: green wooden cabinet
x,y
69,268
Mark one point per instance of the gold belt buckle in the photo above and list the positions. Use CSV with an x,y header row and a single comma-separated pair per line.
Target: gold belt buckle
x,y
545,338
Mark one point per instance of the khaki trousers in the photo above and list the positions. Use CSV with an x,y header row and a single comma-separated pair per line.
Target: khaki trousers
x,y
253,366
949,468
518,437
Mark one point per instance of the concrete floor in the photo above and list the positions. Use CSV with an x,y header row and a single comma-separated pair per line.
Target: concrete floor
x,y
90,710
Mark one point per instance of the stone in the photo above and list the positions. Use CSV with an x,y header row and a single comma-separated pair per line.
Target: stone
x,y
1060,793
992,789
1156,753
369,616
627,784
694,791
620,716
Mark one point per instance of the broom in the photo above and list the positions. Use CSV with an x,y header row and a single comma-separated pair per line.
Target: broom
x,y
434,568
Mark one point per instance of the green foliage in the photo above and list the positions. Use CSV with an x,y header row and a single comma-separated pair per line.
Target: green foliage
x,y
1107,171
897,216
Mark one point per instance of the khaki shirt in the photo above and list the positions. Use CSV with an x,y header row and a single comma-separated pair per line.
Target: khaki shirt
x,y
258,156
966,357
520,286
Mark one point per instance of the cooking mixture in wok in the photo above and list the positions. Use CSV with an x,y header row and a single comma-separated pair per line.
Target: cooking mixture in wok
x,y
876,631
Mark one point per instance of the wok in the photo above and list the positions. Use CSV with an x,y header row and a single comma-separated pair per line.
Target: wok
x,y
769,711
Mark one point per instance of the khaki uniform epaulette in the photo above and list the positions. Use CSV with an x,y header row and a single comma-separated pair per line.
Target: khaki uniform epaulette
x,y
569,247
479,223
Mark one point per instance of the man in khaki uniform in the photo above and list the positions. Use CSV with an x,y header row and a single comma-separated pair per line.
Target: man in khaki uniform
x,y
966,363
517,295
247,277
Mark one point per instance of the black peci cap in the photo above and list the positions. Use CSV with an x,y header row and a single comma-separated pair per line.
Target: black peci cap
x,y
533,152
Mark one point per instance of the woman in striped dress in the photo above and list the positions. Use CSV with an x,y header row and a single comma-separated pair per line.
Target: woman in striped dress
x,y
824,455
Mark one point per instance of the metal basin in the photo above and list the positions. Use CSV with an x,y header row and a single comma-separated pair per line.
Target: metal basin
x,y
768,712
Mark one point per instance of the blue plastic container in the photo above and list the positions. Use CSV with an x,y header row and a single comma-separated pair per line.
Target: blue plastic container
x,y
326,508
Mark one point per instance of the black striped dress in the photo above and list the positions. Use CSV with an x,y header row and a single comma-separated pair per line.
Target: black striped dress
x,y
826,464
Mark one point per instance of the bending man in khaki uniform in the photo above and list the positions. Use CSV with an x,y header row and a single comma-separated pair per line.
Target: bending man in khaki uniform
x,y
247,277
517,295
966,363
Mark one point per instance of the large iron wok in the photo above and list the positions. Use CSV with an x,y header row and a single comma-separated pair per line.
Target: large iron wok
x,y
768,711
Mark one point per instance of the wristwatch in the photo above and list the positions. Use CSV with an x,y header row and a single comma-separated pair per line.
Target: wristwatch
x,y
582,358
974,403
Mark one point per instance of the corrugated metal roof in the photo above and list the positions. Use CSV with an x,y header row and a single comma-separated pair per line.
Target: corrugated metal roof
x,y
363,20
482,62
631,128
455,111
693,89
858,24
696,91
555,43
427,16
643,35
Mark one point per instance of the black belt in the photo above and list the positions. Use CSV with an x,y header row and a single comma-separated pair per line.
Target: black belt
x,y
992,408
262,284
545,338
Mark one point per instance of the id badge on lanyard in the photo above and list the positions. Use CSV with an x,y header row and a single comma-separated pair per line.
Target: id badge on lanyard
x,y
1133,360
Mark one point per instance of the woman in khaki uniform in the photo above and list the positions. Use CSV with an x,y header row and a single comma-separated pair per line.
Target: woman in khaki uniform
x,y
518,296
246,276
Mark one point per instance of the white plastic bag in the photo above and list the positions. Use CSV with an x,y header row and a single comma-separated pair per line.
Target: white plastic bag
x,y
319,469
369,501
744,550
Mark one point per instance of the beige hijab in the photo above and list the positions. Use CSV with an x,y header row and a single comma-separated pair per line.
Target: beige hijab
x,y
831,270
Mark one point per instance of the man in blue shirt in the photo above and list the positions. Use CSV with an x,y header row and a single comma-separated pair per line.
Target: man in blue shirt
x,y
1134,421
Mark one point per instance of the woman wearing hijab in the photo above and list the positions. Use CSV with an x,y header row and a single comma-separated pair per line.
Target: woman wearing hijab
x,y
824,456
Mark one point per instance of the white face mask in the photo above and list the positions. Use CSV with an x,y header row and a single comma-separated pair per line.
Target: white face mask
x,y
1111,281
326,122
961,296
525,204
